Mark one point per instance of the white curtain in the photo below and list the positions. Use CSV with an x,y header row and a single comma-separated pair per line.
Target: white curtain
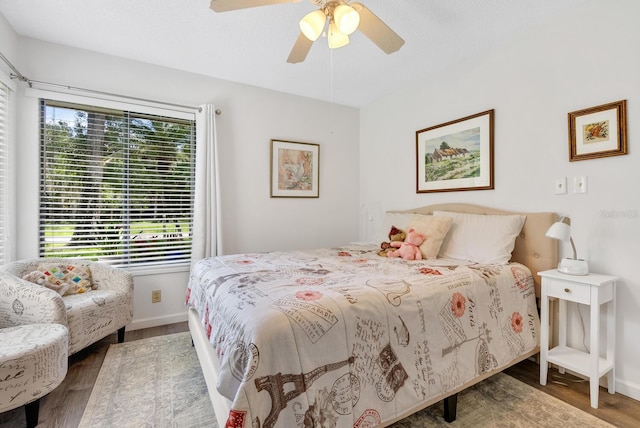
x,y
207,239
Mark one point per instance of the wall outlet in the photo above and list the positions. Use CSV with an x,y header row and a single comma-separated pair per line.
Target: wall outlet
x,y
156,296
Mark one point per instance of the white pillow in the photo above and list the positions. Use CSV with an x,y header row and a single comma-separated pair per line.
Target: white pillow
x,y
480,238
399,220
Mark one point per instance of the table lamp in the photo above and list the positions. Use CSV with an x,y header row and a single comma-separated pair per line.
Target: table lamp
x,y
561,230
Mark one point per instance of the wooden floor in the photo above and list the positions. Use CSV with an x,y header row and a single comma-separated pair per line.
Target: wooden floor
x,y
617,409
64,406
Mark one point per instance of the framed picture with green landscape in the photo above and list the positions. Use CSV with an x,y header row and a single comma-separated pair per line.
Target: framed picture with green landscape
x,y
456,155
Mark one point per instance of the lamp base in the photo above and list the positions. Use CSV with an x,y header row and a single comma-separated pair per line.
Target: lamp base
x,y
573,267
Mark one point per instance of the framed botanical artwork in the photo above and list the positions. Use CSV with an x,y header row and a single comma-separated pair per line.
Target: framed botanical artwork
x,y
456,155
295,169
598,132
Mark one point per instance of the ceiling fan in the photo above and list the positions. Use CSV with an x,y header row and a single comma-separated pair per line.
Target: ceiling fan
x,y
335,18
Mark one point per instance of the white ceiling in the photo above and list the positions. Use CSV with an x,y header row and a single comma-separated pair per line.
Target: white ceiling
x,y
252,45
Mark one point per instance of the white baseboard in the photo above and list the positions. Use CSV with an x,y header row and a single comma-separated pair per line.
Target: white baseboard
x,y
629,389
138,324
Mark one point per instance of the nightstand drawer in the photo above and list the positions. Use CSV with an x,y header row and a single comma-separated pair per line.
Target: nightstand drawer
x,y
571,291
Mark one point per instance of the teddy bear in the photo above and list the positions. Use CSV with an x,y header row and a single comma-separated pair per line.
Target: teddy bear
x,y
40,278
395,235
410,248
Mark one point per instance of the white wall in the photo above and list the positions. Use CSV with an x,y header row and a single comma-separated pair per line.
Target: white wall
x,y
8,47
585,59
8,43
252,221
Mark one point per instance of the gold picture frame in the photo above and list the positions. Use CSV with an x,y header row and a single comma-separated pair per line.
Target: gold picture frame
x,y
456,155
295,169
598,132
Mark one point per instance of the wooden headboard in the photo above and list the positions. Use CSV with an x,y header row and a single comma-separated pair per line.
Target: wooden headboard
x,y
533,249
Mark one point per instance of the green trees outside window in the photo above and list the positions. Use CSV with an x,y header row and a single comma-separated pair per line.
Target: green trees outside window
x,y
115,185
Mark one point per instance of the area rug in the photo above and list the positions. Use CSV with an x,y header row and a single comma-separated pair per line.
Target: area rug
x,y
157,382
502,401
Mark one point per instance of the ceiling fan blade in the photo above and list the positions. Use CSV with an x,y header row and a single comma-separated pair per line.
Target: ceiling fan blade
x,y
376,30
300,49
227,5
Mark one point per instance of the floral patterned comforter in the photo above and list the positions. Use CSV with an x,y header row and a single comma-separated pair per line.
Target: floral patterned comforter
x,y
342,337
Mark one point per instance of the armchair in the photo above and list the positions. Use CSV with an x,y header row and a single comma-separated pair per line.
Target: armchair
x,y
89,316
33,362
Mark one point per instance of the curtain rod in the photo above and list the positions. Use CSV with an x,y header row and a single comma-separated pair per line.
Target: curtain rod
x,y
17,75
93,91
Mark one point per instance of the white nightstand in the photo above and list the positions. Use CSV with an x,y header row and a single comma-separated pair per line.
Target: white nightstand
x,y
593,290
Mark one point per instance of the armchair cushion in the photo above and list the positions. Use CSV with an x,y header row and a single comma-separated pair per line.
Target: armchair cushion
x,y
76,276
40,278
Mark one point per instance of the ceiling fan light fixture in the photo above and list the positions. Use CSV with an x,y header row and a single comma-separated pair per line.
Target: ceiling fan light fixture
x,y
346,18
336,38
312,24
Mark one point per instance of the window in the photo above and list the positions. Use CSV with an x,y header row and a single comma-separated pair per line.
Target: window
x,y
116,186
4,197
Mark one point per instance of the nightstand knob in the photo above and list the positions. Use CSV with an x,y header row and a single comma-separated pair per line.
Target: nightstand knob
x,y
566,290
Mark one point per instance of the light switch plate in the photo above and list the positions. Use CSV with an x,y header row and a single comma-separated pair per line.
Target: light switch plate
x,y
561,186
580,185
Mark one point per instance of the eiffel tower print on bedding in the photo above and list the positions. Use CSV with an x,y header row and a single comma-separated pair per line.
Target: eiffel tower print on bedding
x,y
341,337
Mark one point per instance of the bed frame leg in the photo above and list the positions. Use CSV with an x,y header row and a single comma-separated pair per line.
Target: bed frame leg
x,y
450,408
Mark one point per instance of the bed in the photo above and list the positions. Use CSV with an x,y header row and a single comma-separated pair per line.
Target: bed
x,y
343,337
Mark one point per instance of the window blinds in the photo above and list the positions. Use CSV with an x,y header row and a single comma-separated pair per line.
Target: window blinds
x,y
4,196
116,186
